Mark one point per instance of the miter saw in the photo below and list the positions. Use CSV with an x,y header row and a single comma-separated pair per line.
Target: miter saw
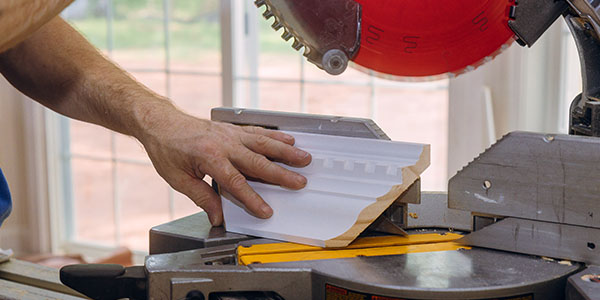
x,y
523,217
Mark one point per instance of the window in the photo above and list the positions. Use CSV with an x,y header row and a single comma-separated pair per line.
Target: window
x,y
114,196
204,54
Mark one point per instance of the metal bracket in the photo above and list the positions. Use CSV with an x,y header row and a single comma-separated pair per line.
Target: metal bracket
x,y
584,285
585,109
575,243
531,18
552,178
310,123
546,189
394,219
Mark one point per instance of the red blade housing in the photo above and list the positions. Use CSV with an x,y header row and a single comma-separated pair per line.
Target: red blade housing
x,y
420,38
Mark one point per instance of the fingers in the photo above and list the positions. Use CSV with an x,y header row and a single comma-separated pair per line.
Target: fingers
x,y
274,134
276,150
202,194
258,166
235,183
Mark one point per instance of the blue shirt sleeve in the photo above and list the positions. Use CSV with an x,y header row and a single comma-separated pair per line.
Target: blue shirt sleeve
x,y
5,200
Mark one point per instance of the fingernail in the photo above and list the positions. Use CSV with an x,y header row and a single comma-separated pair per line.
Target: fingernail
x,y
288,137
301,153
301,180
214,220
267,211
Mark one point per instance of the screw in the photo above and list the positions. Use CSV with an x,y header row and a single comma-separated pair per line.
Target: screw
x,y
335,61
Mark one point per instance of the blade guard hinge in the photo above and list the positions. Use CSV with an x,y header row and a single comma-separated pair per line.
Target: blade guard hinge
x,y
529,19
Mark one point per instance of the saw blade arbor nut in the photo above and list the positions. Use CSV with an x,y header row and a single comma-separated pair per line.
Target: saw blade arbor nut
x,y
335,61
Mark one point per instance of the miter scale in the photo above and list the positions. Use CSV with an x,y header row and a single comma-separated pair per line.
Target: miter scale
x,y
528,207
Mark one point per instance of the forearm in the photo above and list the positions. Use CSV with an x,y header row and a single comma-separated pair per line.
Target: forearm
x,y
57,67
20,18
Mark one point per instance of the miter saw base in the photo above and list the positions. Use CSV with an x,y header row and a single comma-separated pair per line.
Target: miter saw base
x,y
464,274
190,259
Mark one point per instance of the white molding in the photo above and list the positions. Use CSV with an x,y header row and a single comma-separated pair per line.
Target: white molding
x,y
351,181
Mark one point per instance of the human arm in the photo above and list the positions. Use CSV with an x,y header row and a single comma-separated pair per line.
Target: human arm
x,y
20,18
57,67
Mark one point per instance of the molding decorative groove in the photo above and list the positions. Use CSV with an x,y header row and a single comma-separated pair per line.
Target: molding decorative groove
x,y
351,181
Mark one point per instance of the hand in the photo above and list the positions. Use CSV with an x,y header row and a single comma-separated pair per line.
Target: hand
x,y
184,149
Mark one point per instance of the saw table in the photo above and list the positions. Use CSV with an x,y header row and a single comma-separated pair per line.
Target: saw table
x,y
476,273
21,280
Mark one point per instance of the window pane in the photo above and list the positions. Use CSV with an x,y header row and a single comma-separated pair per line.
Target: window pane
x,y
138,34
129,148
342,100
281,96
143,195
89,139
279,65
183,206
93,204
418,114
178,57
195,94
89,17
277,59
195,36
156,81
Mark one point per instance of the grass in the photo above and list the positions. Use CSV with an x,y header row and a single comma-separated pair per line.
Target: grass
x,y
186,38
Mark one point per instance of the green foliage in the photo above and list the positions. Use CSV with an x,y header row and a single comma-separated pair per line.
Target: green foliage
x,y
194,26
149,33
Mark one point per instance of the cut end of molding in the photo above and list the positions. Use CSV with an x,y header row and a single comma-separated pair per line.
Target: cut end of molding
x,y
368,215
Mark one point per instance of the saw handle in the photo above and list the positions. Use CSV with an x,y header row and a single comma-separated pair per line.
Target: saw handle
x,y
106,281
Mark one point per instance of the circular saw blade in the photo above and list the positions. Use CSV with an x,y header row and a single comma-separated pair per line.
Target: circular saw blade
x,y
427,39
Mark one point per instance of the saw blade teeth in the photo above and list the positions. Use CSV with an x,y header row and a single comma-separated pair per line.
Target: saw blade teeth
x,y
306,51
287,35
268,14
279,23
276,25
297,45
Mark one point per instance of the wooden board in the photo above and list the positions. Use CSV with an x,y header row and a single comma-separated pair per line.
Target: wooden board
x,y
351,181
